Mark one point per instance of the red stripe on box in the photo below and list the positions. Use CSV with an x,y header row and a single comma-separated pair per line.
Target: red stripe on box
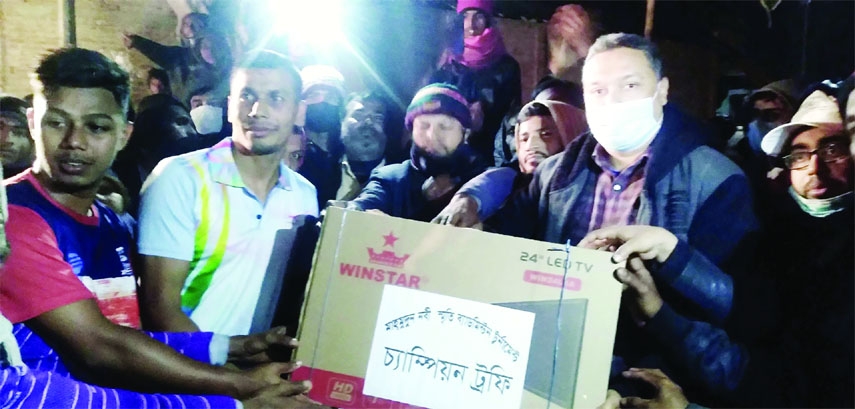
x,y
342,391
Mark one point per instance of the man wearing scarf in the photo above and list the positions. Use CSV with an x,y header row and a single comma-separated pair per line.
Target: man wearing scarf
x,y
441,159
487,76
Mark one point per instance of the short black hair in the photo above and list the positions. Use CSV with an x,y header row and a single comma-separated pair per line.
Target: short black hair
x,y
569,92
159,74
74,67
271,60
535,109
371,95
13,106
636,42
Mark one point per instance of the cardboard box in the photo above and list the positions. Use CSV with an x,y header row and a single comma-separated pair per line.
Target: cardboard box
x,y
361,253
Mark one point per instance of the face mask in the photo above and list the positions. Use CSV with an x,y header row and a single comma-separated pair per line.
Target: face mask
x,y
822,207
624,126
323,118
455,164
757,129
207,118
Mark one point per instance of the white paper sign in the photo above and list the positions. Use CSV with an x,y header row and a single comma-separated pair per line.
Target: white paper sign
x,y
436,351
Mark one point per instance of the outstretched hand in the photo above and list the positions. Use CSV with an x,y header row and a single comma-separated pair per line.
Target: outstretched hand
x,y
571,24
644,298
648,242
272,345
273,373
462,211
127,40
669,395
283,395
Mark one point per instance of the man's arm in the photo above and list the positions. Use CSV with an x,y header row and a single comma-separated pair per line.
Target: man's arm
x,y
520,216
704,352
24,388
163,55
167,229
721,244
478,199
710,288
160,294
375,194
98,351
273,345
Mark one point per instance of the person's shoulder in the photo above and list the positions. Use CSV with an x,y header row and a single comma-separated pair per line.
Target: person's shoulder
x,y
566,160
712,164
300,182
395,171
19,188
22,219
110,220
180,167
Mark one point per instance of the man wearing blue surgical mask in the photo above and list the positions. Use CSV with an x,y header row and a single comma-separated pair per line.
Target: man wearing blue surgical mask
x,y
643,165
771,106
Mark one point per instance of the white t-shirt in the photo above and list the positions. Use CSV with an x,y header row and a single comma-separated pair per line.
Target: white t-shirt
x,y
196,208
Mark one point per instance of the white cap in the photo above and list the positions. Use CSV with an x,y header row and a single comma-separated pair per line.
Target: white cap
x,y
819,110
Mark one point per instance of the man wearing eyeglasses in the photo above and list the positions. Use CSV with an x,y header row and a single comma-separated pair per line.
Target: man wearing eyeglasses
x,y
802,352
814,149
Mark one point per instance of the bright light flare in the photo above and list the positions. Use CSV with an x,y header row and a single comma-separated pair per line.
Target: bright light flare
x,y
312,23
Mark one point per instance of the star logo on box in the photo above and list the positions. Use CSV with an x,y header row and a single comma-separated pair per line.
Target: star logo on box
x,y
387,257
388,260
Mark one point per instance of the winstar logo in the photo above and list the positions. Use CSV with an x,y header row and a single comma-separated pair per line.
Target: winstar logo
x,y
386,258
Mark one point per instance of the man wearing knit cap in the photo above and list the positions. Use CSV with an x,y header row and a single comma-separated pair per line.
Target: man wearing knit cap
x,y
323,93
441,159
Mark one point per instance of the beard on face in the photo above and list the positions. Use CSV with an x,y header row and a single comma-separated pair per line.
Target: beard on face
x,y
364,142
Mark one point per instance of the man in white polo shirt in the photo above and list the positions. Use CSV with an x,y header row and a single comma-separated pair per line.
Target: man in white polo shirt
x,y
209,218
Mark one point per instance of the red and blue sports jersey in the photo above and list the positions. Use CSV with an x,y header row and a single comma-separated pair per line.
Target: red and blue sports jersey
x,y
60,257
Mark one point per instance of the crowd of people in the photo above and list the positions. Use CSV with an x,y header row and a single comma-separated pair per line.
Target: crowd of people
x,y
141,236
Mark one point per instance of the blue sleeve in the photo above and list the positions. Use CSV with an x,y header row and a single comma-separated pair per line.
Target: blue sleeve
x,y
167,222
520,216
706,353
375,195
24,388
721,244
490,189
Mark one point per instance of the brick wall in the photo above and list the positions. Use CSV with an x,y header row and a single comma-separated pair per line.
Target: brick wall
x,y
526,42
28,28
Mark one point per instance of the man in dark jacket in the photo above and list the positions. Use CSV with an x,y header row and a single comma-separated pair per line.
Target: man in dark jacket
x,y
643,164
807,360
441,159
